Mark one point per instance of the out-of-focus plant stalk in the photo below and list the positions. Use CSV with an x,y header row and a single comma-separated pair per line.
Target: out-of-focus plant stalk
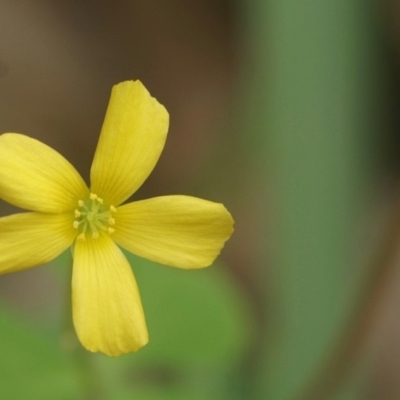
x,y
353,341
309,110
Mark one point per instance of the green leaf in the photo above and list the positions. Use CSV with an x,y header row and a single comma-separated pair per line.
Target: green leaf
x,y
33,365
199,326
194,317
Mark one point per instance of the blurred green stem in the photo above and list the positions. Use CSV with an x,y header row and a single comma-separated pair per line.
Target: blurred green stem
x,y
354,339
309,99
88,374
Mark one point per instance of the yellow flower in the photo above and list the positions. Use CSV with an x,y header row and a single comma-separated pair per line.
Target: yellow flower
x,y
178,231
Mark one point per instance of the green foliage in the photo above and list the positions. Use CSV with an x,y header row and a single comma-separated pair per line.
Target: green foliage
x,y
199,326
32,364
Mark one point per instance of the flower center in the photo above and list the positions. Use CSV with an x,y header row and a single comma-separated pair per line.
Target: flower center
x,y
92,217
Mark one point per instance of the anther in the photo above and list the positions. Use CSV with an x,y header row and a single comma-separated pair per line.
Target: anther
x,y
94,197
113,209
77,213
81,236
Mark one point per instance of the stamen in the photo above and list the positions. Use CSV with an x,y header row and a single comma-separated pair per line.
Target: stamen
x,y
81,236
93,217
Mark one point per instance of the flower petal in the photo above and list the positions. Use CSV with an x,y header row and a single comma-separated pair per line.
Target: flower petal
x,y
107,310
179,231
36,177
131,141
31,239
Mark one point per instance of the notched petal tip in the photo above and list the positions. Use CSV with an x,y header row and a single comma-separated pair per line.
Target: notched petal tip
x,y
114,349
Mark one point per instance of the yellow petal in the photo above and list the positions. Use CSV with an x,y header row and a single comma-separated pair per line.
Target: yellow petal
x,y
179,231
36,177
107,311
31,239
131,141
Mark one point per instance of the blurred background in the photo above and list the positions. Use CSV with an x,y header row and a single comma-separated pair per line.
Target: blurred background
x,y
288,113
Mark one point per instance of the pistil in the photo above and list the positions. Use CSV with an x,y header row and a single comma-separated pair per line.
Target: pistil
x,y
92,217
